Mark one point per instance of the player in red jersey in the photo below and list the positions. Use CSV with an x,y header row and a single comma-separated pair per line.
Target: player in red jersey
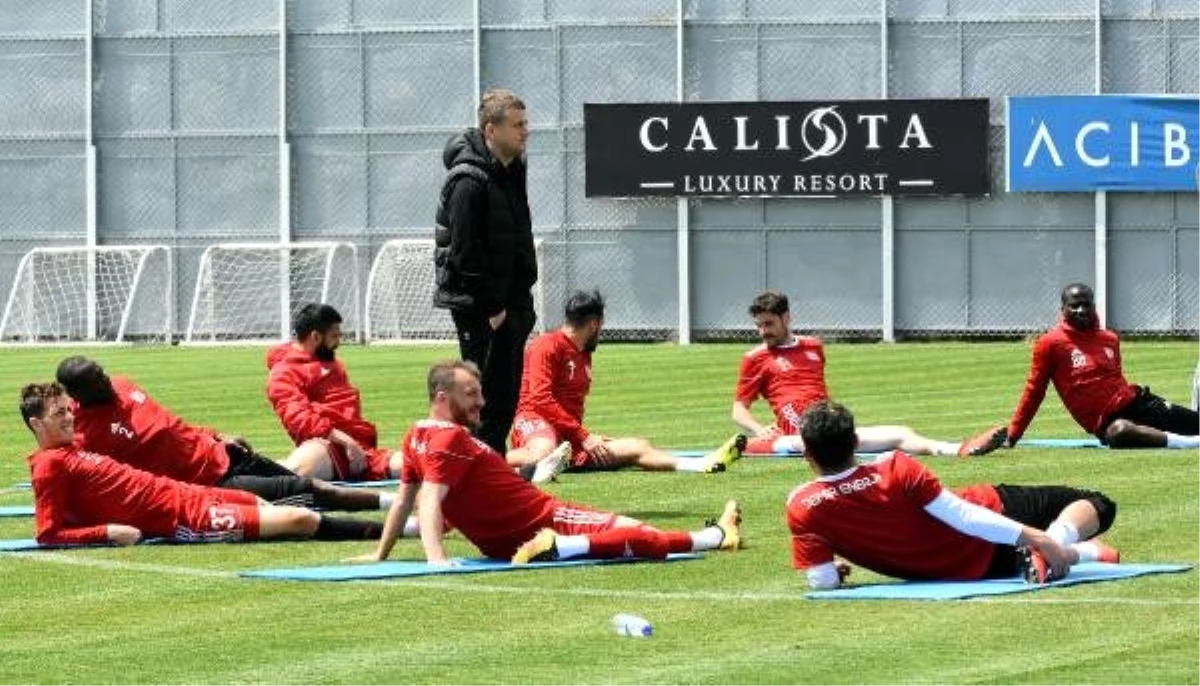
x,y
789,371
83,497
554,388
1083,360
319,407
458,479
115,417
894,517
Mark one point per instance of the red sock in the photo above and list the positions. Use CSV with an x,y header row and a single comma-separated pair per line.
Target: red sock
x,y
678,541
761,445
628,542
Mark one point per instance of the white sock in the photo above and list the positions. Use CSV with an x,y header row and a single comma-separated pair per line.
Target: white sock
x,y
411,528
572,546
1178,441
691,464
1088,552
386,500
944,449
708,538
788,445
1063,532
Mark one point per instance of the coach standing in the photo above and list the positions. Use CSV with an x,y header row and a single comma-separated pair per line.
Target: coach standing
x,y
485,258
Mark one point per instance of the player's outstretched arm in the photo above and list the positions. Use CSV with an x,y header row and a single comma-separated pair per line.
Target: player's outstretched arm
x,y
393,525
433,523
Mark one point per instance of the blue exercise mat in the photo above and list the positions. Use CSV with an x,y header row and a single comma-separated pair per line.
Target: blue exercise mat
x,y
1084,573
16,511
1060,443
399,568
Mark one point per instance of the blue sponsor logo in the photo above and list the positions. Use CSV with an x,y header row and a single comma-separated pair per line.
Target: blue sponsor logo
x,y
1103,142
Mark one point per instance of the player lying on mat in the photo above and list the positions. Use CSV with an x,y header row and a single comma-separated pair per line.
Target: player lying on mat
x,y
81,497
457,479
789,371
894,517
554,389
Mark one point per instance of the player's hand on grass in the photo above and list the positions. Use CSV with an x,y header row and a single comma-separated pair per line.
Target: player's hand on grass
x,y
767,431
123,534
597,448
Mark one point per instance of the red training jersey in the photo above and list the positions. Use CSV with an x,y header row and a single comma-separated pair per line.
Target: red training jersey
x,y
487,501
555,384
79,493
791,377
136,430
313,397
874,516
1085,365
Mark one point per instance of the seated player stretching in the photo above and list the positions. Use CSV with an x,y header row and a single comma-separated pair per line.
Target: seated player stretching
x,y
310,390
82,497
457,479
789,371
1083,359
894,517
554,388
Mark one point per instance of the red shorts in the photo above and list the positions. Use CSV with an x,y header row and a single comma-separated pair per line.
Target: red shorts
x,y
565,518
378,463
219,514
527,427
787,418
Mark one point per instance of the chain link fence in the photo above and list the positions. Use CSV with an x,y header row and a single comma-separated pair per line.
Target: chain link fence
x,y
186,112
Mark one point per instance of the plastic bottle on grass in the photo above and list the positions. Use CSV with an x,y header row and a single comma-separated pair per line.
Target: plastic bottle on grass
x,y
631,625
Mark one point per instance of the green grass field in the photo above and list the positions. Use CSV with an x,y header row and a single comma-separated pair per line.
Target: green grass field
x,y
180,615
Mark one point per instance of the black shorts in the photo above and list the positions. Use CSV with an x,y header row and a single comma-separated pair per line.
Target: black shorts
x,y
262,476
1150,410
1035,506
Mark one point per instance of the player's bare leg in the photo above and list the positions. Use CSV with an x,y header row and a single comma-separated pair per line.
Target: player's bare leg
x,y
311,459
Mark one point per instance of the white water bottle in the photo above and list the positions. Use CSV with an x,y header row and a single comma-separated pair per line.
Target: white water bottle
x,y
632,625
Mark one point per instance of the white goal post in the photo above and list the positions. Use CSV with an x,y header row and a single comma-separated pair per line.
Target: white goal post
x,y
248,292
100,294
399,303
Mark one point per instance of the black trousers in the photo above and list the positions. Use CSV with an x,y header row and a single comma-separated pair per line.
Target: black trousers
x,y
500,355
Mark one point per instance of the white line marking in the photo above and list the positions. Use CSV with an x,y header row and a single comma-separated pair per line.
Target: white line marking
x,y
657,184
102,563
915,182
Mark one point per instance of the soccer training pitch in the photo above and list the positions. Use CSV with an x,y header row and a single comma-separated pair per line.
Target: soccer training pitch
x,y
180,614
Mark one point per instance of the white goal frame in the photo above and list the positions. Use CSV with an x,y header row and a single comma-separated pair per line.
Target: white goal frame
x,y
336,288
385,322
82,307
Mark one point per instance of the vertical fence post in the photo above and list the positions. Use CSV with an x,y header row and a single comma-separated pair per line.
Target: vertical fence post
x,y
682,217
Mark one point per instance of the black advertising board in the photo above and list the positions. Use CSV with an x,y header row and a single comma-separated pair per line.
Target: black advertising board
x,y
847,147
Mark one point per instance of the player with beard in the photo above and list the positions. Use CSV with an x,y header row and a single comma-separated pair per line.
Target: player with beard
x,y
321,410
458,479
1084,361
789,371
554,388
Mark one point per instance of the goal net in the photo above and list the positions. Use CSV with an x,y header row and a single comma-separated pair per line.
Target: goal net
x,y
399,303
102,294
249,291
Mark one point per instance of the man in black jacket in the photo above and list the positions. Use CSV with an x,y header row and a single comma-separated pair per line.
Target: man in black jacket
x,y
485,260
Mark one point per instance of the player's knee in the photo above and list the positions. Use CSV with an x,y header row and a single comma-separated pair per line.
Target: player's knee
x,y
300,521
1119,433
1106,510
